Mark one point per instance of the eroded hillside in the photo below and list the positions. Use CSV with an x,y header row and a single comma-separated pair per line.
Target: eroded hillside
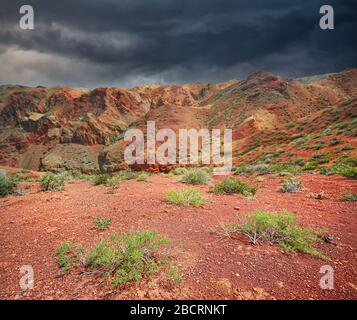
x,y
55,129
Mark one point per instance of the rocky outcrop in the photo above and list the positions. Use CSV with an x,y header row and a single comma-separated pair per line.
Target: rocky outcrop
x,y
72,157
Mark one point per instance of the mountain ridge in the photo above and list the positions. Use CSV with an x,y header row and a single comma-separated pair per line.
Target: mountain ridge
x,y
63,128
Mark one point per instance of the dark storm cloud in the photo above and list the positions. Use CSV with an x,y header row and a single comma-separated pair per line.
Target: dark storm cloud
x,y
127,42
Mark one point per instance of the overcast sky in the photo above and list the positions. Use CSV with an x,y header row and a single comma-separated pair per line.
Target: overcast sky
x,y
123,43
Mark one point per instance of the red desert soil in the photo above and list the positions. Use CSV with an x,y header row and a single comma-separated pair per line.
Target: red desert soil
x,y
32,227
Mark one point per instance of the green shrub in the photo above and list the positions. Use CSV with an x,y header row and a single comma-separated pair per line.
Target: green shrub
x,y
66,175
18,177
195,176
291,185
7,185
101,179
349,197
348,172
335,141
262,169
185,197
52,182
310,166
327,171
286,169
259,169
121,176
347,147
299,162
234,185
244,170
319,145
321,158
121,258
280,228
102,223
346,166
68,255
179,171
128,257
143,176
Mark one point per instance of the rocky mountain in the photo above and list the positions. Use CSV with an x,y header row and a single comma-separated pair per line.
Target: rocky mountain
x,y
64,128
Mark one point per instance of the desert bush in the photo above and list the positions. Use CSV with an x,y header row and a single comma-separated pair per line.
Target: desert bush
x,y
280,228
291,185
128,257
327,171
179,171
68,255
319,145
347,167
52,182
262,169
286,169
335,141
244,170
321,158
349,197
18,177
66,175
185,197
195,176
347,147
234,185
310,166
102,223
259,169
101,179
7,185
143,176
121,176
299,162
208,170
348,172
121,258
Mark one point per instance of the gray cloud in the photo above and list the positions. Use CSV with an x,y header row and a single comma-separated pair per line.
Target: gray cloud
x,y
126,43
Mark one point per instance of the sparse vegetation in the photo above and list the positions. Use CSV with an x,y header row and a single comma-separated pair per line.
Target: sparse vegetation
x,y
68,255
335,141
52,182
349,197
143,176
179,171
327,171
244,170
195,176
102,223
310,166
7,185
321,158
185,197
291,185
259,169
101,179
115,179
346,167
121,258
234,185
280,228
